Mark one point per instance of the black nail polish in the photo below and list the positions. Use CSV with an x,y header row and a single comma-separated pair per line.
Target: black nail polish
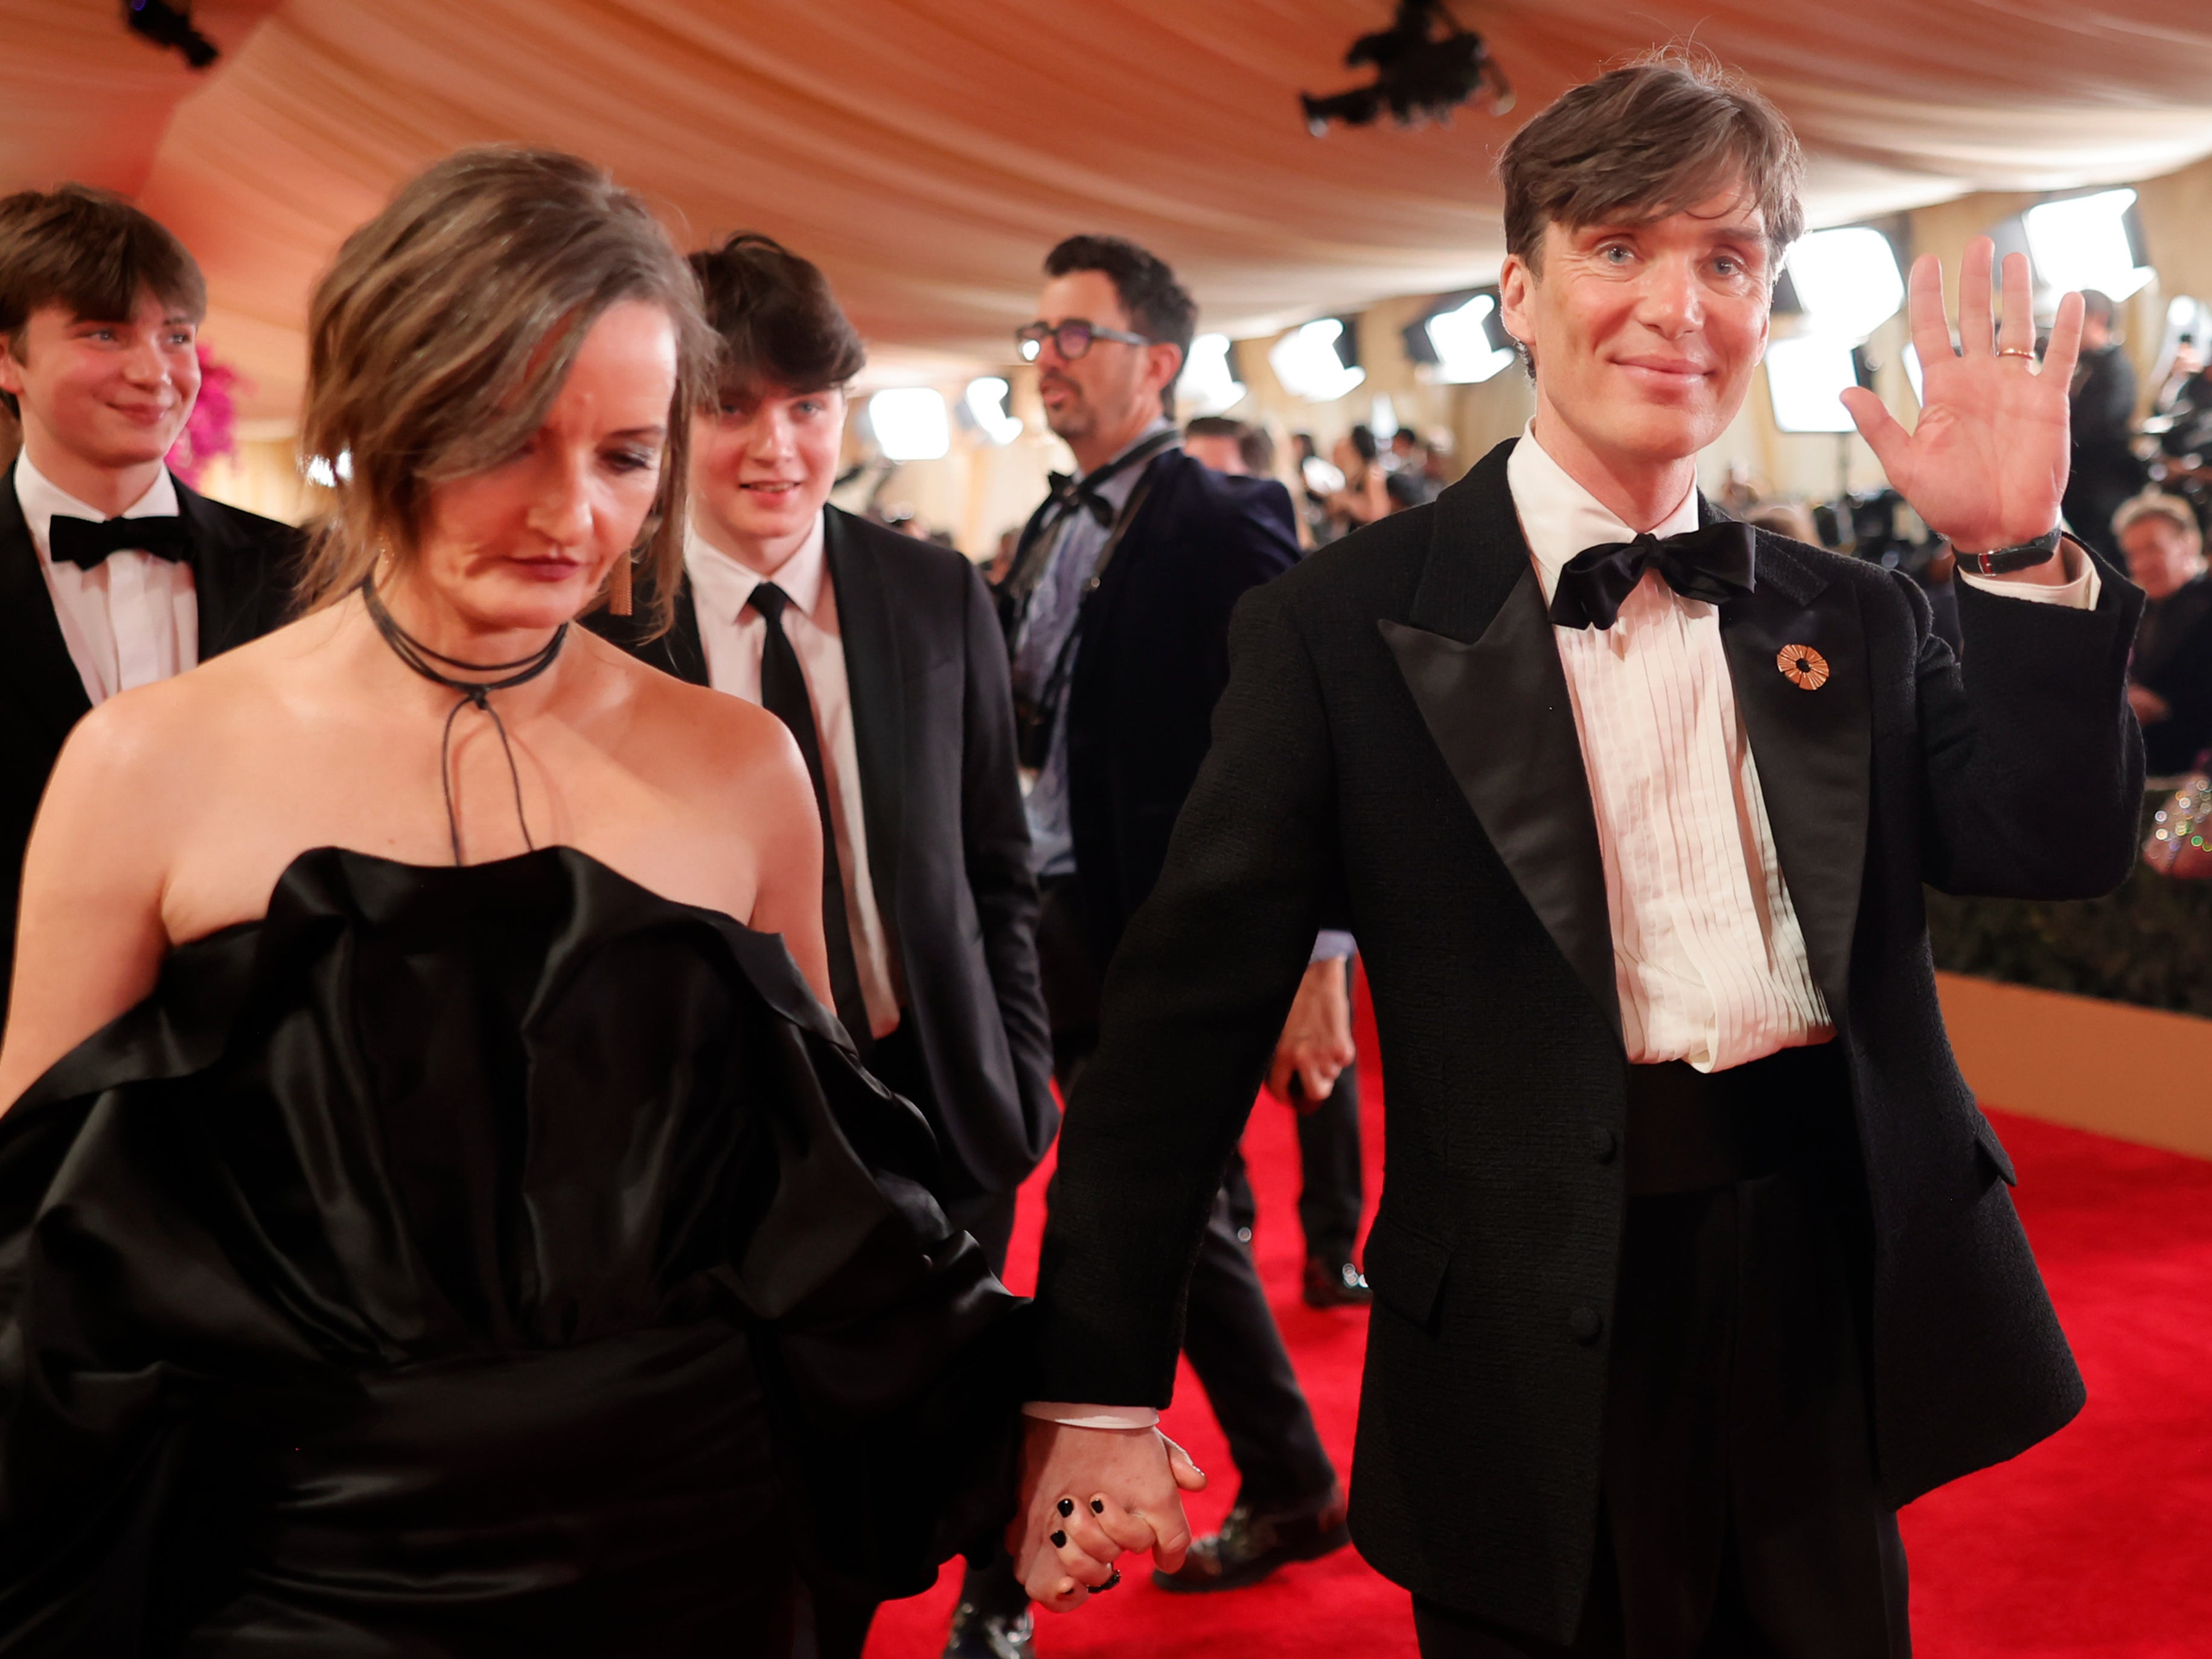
x,y
1066,1507
1059,1541
1098,1506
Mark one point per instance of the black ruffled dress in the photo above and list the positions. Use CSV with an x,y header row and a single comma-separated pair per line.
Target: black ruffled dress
x,y
473,1261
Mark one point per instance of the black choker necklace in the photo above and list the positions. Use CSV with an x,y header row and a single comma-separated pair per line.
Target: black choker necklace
x,y
420,658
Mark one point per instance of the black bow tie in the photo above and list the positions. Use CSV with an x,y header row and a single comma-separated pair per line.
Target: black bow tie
x,y
1712,563
1070,491
87,542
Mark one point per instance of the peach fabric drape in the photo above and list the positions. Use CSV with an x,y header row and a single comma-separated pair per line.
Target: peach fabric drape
x,y
926,152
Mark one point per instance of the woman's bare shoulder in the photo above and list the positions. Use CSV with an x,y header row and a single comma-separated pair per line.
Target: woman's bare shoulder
x,y
696,728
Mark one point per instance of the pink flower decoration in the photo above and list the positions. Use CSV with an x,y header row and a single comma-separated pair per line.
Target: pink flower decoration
x,y
212,431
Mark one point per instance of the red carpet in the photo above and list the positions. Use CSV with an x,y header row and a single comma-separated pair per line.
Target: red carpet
x,y
2098,1542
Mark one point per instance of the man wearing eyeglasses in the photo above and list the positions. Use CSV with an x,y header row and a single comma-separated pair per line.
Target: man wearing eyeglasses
x,y
1117,609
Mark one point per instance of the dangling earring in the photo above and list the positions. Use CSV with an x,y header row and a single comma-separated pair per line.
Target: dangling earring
x,y
619,587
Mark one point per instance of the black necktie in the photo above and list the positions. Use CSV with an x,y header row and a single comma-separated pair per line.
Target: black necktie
x,y
783,694
1712,563
87,542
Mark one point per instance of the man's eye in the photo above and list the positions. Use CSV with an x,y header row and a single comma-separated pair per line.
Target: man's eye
x,y
1614,253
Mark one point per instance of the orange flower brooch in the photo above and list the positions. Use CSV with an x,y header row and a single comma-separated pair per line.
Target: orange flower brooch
x,y
1802,666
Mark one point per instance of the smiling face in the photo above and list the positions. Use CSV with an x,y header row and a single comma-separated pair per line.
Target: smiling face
x,y
525,545
103,396
761,467
1645,335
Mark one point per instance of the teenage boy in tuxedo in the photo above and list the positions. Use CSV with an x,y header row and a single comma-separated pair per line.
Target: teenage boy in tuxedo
x,y
114,572
883,654
1695,1260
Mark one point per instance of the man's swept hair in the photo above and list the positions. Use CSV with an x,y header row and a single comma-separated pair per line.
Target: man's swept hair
x,y
1652,139
92,252
778,320
1160,309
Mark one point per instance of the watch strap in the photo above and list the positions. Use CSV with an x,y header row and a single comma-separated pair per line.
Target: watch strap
x,y
2003,561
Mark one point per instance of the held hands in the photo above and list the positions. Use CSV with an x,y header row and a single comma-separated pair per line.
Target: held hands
x,y
1089,1495
1316,1041
1986,463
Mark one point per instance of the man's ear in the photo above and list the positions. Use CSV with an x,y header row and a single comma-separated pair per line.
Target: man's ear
x,y
11,368
1515,292
1161,364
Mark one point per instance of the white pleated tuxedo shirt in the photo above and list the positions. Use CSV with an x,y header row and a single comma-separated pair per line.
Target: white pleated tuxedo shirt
x,y
1708,955
132,619
733,639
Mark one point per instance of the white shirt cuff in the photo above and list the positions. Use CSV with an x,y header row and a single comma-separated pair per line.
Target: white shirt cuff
x,y
1092,1417
2080,594
1329,946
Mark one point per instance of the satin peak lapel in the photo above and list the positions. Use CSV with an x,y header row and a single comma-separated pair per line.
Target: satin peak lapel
x,y
1813,744
1497,709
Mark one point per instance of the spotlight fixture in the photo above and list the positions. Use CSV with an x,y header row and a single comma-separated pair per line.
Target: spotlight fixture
x,y
165,25
1425,67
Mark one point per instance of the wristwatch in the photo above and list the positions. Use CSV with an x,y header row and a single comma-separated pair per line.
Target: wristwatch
x,y
2002,561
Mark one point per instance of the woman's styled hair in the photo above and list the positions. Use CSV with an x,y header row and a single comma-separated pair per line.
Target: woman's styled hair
x,y
91,252
1647,140
778,322
440,338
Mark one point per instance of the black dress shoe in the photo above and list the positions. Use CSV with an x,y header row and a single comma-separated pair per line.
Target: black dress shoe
x,y
978,1635
1335,1284
1251,1545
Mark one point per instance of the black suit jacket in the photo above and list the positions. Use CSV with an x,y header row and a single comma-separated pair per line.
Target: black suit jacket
x,y
1153,661
243,566
1396,753
948,846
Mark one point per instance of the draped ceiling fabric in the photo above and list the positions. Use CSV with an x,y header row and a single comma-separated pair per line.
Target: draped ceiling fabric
x,y
926,152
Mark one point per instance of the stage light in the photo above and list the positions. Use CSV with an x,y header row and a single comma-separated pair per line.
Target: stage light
x,y
1209,382
166,25
1465,341
2083,242
1846,281
1420,74
1806,378
986,404
1312,362
910,423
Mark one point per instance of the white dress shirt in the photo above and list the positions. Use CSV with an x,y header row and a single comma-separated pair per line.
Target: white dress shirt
x,y
1708,955
1709,958
132,619
733,638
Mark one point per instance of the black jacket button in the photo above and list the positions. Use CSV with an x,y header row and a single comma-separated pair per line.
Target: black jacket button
x,y
1603,1143
1583,1324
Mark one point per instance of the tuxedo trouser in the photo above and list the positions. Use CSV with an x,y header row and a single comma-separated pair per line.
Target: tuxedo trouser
x,y
1739,1514
1331,1189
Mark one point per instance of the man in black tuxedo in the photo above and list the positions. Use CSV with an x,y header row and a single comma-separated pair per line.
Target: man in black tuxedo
x,y
114,572
1695,1259
883,654
2106,471
1118,605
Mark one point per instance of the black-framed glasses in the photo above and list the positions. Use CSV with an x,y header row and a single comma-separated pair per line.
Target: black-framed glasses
x,y
1074,337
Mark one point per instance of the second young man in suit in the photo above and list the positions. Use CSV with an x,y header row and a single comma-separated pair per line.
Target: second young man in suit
x,y
883,654
114,572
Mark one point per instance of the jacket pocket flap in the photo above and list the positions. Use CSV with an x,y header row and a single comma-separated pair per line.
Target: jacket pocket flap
x,y
1405,1268
1993,1149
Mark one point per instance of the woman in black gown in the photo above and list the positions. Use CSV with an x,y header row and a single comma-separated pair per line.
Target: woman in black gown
x,y
439,1216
